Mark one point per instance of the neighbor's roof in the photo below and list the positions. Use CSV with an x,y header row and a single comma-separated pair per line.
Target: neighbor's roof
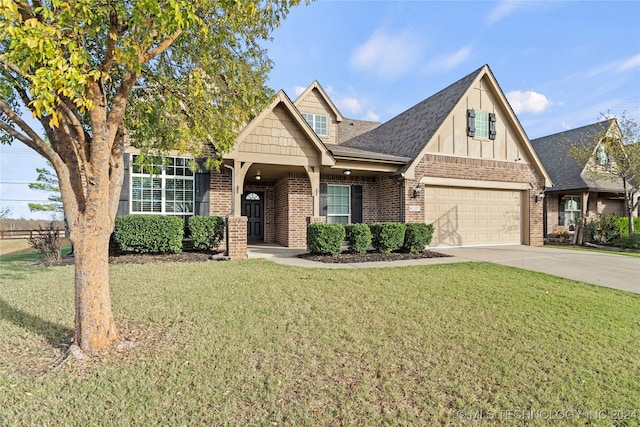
x,y
565,172
406,135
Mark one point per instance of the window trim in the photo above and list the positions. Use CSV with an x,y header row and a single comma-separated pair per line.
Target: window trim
x,y
311,118
164,177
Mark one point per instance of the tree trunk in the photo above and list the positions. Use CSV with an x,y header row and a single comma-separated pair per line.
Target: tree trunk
x,y
95,328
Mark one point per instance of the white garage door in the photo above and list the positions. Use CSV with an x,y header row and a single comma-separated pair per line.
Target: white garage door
x,y
473,216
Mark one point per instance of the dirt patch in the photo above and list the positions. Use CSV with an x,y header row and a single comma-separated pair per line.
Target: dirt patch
x,y
370,256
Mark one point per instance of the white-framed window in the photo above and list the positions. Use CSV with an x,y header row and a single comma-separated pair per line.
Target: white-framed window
x,y
338,204
481,124
165,186
318,123
570,210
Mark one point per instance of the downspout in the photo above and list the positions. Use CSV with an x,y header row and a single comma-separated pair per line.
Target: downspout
x,y
400,183
233,208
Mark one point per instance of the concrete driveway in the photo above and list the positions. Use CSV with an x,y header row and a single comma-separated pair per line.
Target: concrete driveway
x,y
603,269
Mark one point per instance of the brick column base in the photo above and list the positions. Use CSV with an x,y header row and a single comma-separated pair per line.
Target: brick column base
x,y
237,237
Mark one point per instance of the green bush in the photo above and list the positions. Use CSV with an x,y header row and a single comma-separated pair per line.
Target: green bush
x,y
206,232
630,241
387,236
325,238
149,233
417,236
358,237
605,229
623,225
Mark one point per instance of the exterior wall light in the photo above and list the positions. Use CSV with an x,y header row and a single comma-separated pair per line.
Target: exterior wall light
x,y
540,197
416,191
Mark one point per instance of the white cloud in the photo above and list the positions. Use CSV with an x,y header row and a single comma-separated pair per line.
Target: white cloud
x,y
504,9
371,116
388,55
298,90
449,61
528,102
618,66
628,64
349,106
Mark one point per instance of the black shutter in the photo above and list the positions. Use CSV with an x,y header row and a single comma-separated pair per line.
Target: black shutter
x,y
471,122
123,201
492,126
356,204
202,183
323,199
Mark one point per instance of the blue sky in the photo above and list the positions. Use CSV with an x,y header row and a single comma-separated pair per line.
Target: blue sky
x,y
561,64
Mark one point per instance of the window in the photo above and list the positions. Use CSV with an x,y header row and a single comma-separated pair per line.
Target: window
x,y
338,204
570,210
481,124
166,186
602,155
318,123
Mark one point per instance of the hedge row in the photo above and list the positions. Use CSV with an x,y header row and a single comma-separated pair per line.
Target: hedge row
x,y
385,237
164,234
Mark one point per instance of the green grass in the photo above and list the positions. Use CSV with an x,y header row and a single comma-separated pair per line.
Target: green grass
x,y
252,342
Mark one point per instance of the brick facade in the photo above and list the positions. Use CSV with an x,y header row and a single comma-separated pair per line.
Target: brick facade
x,y
237,228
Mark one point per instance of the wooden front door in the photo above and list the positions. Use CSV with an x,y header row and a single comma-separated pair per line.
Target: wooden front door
x,y
253,209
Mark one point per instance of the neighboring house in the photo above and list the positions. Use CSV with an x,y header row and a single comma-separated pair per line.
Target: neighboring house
x,y
578,192
460,160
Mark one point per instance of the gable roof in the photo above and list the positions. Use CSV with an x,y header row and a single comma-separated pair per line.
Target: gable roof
x,y
567,173
407,134
315,85
281,98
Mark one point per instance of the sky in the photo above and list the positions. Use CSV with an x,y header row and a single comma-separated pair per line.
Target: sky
x,y
561,64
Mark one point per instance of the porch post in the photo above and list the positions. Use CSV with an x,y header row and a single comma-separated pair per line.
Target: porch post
x,y
240,169
314,178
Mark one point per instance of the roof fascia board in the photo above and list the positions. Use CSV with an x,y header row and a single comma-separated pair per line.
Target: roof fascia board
x,y
316,85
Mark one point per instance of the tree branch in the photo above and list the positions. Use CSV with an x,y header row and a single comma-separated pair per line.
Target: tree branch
x,y
32,139
148,56
112,36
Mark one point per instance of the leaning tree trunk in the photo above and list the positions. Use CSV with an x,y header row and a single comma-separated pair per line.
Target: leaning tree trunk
x,y
95,328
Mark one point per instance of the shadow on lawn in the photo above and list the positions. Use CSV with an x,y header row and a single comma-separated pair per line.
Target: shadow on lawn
x,y
54,333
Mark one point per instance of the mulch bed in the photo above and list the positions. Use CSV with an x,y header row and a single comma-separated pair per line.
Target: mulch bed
x,y
370,256
195,256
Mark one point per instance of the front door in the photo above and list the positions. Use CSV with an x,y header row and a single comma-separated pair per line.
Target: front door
x,y
253,209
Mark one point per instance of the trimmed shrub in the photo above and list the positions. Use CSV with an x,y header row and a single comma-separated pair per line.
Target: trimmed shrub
x,y
605,229
417,236
358,237
325,238
387,236
630,241
149,233
206,232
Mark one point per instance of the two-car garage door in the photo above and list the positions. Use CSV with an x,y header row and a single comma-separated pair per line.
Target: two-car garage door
x,y
465,216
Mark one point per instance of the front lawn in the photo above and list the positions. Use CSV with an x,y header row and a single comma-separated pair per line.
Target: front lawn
x,y
252,342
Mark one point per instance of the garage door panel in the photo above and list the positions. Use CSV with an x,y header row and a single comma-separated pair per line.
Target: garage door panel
x,y
473,216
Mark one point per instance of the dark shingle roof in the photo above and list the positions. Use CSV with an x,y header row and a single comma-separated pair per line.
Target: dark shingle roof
x,y
406,134
565,172
356,153
349,128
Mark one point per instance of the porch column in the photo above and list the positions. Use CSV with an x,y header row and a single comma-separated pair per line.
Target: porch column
x,y
314,178
237,237
240,170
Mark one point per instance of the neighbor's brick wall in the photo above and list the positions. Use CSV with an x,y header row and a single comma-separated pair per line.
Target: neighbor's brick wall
x,y
483,170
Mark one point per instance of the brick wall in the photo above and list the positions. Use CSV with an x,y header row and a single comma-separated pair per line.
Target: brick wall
x,y
220,193
237,237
